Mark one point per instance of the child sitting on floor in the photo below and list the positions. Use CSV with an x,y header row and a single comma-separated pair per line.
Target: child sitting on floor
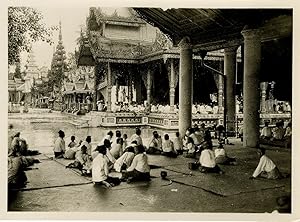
x,y
190,148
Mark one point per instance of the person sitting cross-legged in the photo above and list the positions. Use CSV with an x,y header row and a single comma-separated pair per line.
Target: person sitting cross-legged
x,y
168,147
153,147
117,149
266,167
222,158
100,168
207,160
82,161
139,169
125,160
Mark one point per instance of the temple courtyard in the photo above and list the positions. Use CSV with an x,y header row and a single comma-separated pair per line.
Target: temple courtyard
x,y
52,187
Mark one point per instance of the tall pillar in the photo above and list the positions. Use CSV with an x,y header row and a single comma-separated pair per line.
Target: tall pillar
x,y
95,89
130,89
149,81
185,85
108,87
221,89
252,59
263,104
172,86
230,73
138,86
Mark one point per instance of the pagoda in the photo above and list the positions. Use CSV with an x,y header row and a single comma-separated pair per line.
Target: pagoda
x,y
58,68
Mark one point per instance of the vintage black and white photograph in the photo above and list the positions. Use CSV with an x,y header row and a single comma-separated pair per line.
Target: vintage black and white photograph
x,y
149,109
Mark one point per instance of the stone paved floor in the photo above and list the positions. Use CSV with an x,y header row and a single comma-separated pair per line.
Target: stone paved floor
x,y
231,192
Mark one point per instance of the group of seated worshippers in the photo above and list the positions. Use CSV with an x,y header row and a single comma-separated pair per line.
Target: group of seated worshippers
x,y
19,161
209,159
278,133
109,155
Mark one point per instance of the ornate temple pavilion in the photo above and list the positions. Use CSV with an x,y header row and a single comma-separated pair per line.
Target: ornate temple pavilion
x,y
232,45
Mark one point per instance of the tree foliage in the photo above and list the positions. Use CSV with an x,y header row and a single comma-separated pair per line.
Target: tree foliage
x,y
25,26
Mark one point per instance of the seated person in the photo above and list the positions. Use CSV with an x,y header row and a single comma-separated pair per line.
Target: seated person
x,y
137,137
59,145
178,144
111,160
278,131
168,147
125,142
207,160
70,153
82,161
72,143
266,132
288,130
100,168
16,140
125,160
190,148
139,169
153,147
222,158
88,145
117,149
265,168
288,135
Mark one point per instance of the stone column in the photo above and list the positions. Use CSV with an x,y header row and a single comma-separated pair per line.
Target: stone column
x,y
185,85
149,84
108,87
252,59
95,89
263,105
172,86
230,73
221,89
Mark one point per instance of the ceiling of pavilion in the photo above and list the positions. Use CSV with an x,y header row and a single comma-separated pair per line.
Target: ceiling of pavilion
x,y
211,28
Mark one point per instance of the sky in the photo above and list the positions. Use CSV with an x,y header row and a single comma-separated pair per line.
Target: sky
x,y
71,19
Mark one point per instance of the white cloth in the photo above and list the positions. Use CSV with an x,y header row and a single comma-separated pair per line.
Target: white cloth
x,y
266,132
109,156
137,138
220,152
88,147
116,150
207,158
265,164
59,145
100,168
126,158
140,163
178,143
168,146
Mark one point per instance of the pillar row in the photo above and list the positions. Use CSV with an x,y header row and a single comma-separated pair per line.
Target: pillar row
x,y
230,73
172,86
149,84
252,60
109,87
185,85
